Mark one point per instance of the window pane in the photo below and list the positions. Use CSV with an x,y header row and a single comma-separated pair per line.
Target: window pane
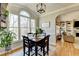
x,y
33,26
33,23
33,30
10,20
15,30
24,22
13,24
13,20
24,13
24,31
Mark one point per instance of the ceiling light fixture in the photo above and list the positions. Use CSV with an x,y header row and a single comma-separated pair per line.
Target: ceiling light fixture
x,y
41,7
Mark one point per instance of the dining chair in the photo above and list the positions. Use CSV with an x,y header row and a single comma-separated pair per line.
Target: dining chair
x,y
44,45
30,36
27,43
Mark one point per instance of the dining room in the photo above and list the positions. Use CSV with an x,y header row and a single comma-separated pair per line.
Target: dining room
x,y
23,25
30,28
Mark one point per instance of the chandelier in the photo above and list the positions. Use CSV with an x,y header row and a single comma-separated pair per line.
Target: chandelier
x,y
41,7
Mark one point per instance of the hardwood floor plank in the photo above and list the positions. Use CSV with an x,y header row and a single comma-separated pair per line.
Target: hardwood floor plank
x,y
66,50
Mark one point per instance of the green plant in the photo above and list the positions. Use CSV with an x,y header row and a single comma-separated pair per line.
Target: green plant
x,y
6,37
6,13
39,30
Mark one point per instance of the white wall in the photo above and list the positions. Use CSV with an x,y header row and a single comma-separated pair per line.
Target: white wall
x,y
50,30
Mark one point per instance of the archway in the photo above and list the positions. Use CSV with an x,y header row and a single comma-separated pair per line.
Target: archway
x,y
58,27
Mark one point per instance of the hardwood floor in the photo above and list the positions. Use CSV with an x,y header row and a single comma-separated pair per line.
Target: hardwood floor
x,y
10,52
67,49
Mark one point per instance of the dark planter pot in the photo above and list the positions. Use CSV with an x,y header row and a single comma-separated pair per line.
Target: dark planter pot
x,y
7,47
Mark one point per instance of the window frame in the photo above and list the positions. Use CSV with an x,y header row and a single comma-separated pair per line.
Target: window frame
x,y
19,30
10,14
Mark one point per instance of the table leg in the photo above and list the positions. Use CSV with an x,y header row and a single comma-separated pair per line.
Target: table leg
x,y
36,52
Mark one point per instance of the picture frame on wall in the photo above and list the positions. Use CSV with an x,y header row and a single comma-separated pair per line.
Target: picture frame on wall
x,y
46,25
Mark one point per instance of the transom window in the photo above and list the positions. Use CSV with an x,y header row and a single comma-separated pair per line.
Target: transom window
x,y
23,13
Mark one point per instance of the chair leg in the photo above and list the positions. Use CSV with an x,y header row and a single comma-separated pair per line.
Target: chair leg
x,y
43,51
47,49
31,49
28,51
36,50
23,51
41,48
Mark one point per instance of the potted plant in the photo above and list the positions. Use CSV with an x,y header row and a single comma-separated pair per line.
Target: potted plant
x,y
6,13
39,31
6,38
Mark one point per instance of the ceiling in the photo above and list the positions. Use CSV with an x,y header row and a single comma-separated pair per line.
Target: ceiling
x,y
50,7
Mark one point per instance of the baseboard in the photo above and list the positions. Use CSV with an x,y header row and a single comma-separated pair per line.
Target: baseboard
x,y
76,46
54,45
10,52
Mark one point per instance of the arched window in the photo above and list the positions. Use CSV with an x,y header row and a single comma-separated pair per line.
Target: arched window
x,y
25,19
24,13
21,24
